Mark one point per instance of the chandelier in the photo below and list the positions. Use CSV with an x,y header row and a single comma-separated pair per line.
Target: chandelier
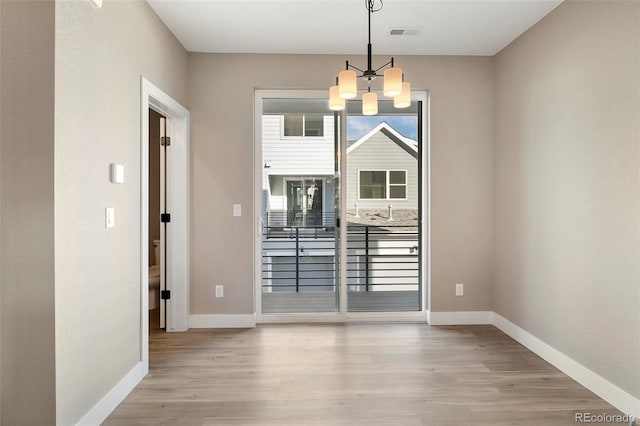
x,y
347,81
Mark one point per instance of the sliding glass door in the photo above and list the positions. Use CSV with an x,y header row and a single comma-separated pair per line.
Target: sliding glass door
x,y
319,170
383,209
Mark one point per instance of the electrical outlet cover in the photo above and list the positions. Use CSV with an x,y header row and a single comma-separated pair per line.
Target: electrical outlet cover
x,y
110,217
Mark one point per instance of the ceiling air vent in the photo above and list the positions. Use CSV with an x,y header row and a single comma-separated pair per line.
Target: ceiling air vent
x,y
404,31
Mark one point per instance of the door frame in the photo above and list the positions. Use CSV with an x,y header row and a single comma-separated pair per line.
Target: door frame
x,y
178,204
341,315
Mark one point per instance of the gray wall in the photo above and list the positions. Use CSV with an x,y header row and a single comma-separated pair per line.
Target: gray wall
x,y
27,208
222,169
567,163
100,56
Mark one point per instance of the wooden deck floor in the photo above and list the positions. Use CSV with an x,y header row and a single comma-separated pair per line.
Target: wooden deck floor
x,y
355,374
325,301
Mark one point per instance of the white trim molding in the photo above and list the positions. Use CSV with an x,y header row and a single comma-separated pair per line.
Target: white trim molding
x,y
597,384
101,410
460,318
222,321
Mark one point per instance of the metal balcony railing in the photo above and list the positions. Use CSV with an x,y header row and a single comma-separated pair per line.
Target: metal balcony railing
x,y
303,258
383,258
298,258
307,218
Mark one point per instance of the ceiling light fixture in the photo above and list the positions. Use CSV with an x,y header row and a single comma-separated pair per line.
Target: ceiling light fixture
x,y
347,81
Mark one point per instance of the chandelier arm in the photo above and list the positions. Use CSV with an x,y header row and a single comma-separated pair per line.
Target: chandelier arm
x,y
385,65
357,69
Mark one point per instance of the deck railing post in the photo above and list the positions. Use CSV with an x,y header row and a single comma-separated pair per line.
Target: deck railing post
x,y
366,257
297,260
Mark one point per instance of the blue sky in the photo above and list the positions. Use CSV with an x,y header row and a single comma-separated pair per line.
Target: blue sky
x,y
358,126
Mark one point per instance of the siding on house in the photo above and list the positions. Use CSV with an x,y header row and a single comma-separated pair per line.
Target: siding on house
x,y
380,152
295,157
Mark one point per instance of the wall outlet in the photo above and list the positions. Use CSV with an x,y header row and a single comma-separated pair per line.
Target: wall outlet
x,y
459,289
219,291
237,210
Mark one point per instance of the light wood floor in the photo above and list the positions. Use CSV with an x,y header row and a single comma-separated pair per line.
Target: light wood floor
x,y
356,374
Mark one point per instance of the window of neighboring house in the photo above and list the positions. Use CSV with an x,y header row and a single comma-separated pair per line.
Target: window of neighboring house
x,y
307,125
383,184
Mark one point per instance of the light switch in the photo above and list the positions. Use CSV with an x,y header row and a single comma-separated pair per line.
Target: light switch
x,y
110,217
117,173
237,210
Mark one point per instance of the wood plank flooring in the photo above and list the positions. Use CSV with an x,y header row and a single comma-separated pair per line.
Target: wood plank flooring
x,y
355,374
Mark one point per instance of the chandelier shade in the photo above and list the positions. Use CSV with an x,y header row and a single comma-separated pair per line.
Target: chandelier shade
x,y
348,84
403,100
369,103
336,103
394,85
392,82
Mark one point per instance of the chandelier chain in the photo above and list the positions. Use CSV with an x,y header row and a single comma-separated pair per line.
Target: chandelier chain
x,y
371,5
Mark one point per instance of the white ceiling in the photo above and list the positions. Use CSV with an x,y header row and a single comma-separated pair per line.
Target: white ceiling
x,y
445,27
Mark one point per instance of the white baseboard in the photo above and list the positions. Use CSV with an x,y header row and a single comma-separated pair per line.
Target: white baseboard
x,y
460,318
101,410
606,390
222,321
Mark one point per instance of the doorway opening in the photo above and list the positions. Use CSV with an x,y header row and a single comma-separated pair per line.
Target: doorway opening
x,y
157,129
343,217
174,199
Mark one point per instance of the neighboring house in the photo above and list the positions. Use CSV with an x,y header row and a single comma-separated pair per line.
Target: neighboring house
x,y
382,169
298,168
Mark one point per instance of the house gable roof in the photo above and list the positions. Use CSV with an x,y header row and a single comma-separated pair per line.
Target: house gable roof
x,y
408,144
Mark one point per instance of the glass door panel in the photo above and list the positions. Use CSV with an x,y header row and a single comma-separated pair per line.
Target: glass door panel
x,y
298,253
377,196
383,209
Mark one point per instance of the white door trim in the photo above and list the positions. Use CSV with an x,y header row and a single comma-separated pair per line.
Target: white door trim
x,y
178,191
